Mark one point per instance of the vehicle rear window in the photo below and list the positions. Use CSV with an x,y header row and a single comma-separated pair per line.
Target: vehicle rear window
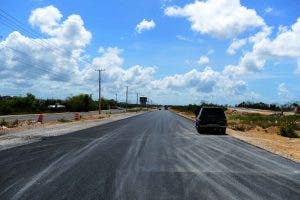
x,y
213,113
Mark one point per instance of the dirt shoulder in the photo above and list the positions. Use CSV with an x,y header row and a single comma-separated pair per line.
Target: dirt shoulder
x,y
265,138
28,132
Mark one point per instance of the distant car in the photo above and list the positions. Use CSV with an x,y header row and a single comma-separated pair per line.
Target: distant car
x,y
211,120
57,106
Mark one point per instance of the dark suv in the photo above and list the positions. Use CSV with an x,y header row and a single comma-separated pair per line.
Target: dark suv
x,y
211,120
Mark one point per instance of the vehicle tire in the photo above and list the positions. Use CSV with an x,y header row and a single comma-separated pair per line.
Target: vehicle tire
x,y
199,130
223,131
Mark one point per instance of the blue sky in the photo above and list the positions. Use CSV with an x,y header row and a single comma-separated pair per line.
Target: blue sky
x,y
162,61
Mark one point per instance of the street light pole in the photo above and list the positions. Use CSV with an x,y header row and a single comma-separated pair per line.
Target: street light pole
x,y
126,97
100,70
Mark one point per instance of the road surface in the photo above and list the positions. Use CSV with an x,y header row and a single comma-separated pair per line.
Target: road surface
x,y
55,116
156,155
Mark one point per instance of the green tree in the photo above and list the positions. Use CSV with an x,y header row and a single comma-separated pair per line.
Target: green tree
x,y
81,102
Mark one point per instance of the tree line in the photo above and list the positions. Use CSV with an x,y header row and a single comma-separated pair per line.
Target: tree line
x,y
248,104
31,104
265,106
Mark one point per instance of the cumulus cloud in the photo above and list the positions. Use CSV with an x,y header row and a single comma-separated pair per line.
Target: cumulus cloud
x,y
117,76
283,92
235,45
285,45
55,58
55,66
203,60
183,38
203,82
145,25
206,82
219,18
268,10
46,18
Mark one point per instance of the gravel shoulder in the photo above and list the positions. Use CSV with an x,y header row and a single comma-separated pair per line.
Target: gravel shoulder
x,y
24,135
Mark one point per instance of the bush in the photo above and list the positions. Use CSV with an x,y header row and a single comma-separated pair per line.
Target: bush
x,y
15,123
240,127
27,104
79,103
288,130
3,123
63,120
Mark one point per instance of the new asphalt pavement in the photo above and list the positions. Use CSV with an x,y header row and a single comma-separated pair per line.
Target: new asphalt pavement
x,y
156,155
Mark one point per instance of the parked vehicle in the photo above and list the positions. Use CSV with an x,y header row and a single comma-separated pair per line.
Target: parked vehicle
x,y
211,120
57,106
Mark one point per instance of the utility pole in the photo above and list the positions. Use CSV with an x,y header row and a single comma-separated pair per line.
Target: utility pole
x,y
137,98
116,97
100,70
126,97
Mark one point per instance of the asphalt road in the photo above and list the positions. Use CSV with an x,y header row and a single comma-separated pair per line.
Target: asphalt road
x,y
54,116
157,155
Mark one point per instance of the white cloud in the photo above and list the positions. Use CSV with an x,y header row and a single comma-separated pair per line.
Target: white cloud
x,y
117,76
235,45
219,18
57,70
45,61
206,82
284,93
285,45
268,10
46,18
145,25
203,60
183,38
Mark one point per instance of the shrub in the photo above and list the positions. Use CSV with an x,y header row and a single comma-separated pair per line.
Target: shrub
x,y
3,123
288,130
241,127
79,103
15,123
63,120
